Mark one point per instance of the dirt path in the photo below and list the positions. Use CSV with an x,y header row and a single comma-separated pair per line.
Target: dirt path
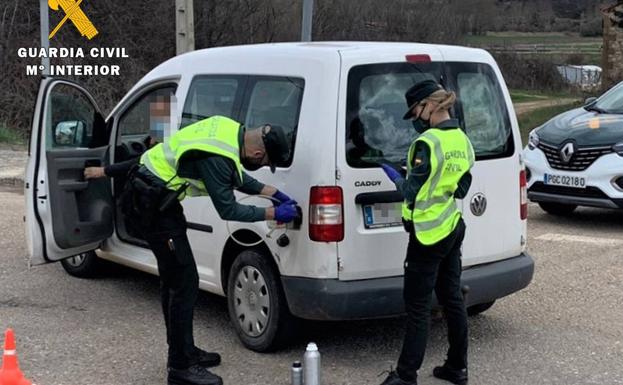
x,y
524,107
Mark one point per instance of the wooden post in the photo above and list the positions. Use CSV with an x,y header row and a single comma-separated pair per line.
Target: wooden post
x,y
45,31
308,16
184,26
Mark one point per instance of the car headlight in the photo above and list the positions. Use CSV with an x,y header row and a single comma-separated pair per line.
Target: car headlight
x,y
618,148
533,140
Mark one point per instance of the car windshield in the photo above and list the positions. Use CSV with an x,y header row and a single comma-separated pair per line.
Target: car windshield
x,y
612,101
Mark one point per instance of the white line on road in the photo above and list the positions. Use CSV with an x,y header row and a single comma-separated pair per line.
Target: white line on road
x,y
578,238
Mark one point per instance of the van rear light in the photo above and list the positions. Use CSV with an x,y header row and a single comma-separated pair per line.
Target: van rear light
x,y
418,58
326,214
523,193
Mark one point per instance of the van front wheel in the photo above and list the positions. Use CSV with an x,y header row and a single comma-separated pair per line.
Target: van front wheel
x,y
85,265
257,304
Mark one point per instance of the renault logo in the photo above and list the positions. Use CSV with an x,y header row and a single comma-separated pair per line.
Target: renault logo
x,y
478,204
566,152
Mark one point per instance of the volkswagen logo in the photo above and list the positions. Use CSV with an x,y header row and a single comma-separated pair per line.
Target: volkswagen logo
x,y
566,152
478,204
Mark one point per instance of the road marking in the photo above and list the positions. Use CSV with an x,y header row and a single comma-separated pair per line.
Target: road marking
x,y
578,238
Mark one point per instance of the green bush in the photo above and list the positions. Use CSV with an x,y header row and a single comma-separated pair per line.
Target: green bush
x,y
10,136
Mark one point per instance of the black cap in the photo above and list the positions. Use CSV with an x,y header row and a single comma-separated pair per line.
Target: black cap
x,y
277,146
419,92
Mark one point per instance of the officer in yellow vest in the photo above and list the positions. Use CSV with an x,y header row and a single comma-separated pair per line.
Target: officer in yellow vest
x,y
203,159
438,165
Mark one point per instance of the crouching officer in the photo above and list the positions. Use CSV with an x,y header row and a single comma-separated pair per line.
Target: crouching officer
x,y
205,158
438,165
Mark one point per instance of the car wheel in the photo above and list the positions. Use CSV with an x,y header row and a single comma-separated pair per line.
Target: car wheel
x,y
257,304
481,307
557,208
85,265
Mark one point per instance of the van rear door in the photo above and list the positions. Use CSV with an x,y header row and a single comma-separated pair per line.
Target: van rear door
x,y
491,210
372,131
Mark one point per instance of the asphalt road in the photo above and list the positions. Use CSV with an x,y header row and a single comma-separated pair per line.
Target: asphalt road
x,y
566,328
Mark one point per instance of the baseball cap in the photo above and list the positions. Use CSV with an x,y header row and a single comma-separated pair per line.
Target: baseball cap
x,y
276,144
419,92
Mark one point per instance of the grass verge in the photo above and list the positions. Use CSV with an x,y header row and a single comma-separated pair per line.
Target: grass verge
x,y
9,136
533,119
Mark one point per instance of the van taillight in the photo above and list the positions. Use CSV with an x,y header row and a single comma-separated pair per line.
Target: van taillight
x,y
418,58
326,214
523,193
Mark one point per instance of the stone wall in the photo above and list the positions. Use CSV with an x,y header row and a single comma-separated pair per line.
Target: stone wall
x,y
612,53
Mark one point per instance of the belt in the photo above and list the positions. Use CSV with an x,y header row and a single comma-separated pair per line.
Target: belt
x,y
149,177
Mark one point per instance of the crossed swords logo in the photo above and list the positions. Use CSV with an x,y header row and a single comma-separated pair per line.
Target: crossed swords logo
x,y
76,15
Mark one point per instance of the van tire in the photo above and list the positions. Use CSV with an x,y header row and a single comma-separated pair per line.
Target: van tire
x,y
479,308
84,265
557,208
263,280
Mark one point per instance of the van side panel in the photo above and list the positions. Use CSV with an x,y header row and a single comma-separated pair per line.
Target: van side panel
x,y
313,164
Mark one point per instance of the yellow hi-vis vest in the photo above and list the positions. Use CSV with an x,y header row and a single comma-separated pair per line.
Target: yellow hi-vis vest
x,y
216,135
435,214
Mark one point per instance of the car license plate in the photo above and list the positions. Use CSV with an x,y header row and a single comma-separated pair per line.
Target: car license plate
x,y
382,215
565,180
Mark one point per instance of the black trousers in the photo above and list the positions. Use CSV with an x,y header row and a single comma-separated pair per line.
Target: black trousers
x,y
427,268
179,280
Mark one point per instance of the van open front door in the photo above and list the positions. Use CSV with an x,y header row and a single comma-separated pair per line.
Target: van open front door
x,y
65,214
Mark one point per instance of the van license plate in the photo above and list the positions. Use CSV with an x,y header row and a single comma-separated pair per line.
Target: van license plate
x,y
564,180
382,215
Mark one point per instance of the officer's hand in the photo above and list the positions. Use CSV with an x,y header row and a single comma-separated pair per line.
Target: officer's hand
x,y
391,173
286,212
94,172
282,198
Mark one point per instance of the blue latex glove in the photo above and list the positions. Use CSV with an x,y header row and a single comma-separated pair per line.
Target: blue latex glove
x,y
391,173
282,198
286,212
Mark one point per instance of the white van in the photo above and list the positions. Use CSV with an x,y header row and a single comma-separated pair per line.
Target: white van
x,y
341,103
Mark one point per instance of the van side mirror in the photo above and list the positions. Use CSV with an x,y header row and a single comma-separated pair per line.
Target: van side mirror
x,y
69,133
589,100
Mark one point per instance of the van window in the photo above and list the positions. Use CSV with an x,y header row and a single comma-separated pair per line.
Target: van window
x,y
211,95
481,108
146,111
70,119
376,132
277,101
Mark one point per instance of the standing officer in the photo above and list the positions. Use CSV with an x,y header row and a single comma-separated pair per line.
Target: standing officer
x,y
438,165
205,158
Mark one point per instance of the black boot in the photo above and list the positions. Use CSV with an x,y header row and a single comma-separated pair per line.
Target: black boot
x,y
206,359
194,375
455,376
394,379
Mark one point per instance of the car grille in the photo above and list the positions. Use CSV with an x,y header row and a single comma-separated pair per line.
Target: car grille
x,y
588,192
580,161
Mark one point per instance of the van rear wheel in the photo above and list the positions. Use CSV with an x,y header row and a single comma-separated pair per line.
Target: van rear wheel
x,y
479,308
256,302
85,265
557,208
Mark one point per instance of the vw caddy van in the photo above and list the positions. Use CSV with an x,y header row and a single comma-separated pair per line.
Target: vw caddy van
x,y
341,104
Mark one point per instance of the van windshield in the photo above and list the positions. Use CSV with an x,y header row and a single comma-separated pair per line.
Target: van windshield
x,y
376,132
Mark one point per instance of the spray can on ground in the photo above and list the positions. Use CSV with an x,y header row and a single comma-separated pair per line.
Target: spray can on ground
x,y
311,362
296,373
